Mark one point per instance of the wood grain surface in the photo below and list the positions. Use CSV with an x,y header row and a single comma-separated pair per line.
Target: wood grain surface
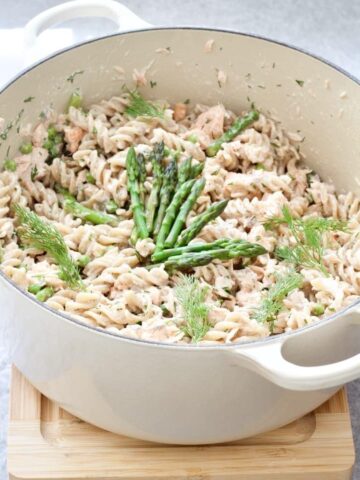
x,y
45,442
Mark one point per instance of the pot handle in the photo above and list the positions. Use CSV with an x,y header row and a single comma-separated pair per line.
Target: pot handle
x,y
268,360
125,18
111,9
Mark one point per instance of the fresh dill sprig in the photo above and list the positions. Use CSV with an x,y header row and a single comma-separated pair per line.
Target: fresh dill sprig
x,y
191,296
43,236
139,107
272,303
308,234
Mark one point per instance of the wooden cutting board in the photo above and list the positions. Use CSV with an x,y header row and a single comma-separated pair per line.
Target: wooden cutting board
x,y
45,442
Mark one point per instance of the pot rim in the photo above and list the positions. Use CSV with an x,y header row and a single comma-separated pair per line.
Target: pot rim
x,y
151,343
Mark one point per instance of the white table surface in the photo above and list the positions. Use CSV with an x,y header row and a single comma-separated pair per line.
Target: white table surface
x,y
329,28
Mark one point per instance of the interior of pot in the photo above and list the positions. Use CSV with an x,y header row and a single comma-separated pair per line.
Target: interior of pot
x,y
307,95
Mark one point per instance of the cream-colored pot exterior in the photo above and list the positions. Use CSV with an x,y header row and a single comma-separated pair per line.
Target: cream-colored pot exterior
x,y
188,394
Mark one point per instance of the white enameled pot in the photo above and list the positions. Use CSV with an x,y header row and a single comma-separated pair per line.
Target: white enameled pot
x,y
173,393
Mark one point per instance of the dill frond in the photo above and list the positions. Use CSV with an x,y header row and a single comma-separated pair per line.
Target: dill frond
x,y
272,303
139,107
191,296
43,236
309,237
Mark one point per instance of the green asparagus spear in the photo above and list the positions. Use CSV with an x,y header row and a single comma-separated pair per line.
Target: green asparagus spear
x,y
88,214
184,212
200,221
181,193
196,170
133,237
142,176
133,188
247,248
142,192
184,171
153,200
198,259
239,125
166,193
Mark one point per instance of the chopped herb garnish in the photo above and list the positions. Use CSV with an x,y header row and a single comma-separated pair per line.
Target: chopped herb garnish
x,y
139,107
273,302
300,82
44,236
192,298
4,133
34,173
308,234
187,101
18,116
10,125
153,84
90,179
71,77
29,99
